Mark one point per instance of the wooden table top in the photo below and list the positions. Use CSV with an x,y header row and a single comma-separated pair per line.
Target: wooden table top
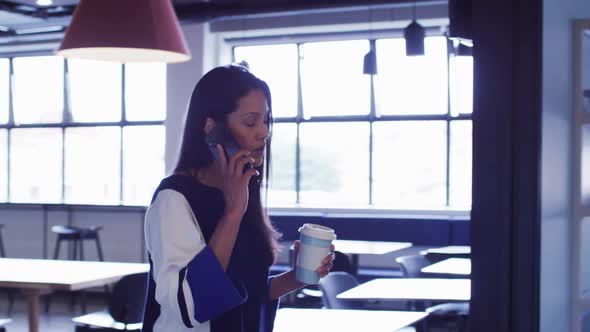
x,y
411,289
322,320
61,274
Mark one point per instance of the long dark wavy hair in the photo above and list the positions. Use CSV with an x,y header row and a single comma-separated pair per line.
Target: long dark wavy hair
x,y
215,96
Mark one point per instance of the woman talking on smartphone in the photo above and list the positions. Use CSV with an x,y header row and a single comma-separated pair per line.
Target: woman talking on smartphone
x,y
209,241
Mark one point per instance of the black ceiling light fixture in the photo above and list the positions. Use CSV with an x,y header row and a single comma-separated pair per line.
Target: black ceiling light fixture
x,y
414,35
370,60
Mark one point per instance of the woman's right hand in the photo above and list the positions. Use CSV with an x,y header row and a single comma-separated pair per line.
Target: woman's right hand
x,y
235,181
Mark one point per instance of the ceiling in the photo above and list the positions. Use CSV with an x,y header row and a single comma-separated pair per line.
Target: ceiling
x,y
25,17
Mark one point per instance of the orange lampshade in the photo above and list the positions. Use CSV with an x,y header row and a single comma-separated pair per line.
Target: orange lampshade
x,y
125,31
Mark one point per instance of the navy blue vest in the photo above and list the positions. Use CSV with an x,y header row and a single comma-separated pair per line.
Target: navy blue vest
x,y
248,266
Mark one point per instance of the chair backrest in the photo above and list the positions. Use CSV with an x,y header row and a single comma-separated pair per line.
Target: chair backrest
x,y
341,263
412,264
332,285
128,297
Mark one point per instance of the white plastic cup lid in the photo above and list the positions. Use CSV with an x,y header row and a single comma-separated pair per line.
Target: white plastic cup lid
x,y
318,231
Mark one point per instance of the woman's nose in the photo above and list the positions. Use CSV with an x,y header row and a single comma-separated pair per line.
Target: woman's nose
x,y
264,133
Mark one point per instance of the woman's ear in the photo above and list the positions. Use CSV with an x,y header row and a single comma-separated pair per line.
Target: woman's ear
x,y
209,125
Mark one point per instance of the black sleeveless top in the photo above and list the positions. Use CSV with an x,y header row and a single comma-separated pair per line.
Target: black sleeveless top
x,y
248,266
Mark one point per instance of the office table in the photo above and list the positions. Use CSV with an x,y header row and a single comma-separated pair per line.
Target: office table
x,y
356,248
411,289
451,250
450,266
438,254
36,277
322,320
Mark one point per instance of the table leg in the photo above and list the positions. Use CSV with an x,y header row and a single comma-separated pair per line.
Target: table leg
x,y
355,264
32,297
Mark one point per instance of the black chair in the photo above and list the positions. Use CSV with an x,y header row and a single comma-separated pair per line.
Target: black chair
x,y
3,322
412,265
75,237
456,313
335,283
341,263
441,313
125,309
311,296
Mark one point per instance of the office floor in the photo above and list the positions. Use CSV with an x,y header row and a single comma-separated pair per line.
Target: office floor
x,y
60,315
58,319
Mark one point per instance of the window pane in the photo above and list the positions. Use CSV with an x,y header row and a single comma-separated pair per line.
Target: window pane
x,y
35,165
461,78
92,165
4,84
334,164
460,172
281,76
282,177
143,162
38,89
332,78
145,91
411,85
409,164
3,165
95,90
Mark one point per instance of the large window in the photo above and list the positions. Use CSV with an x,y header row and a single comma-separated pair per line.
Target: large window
x,y
80,132
401,140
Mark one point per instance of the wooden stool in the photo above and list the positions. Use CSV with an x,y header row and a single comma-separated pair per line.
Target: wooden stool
x,y
75,236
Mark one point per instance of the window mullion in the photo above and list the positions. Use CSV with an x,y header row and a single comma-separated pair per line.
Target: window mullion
x,y
66,118
10,123
372,115
298,119
449,117
123,122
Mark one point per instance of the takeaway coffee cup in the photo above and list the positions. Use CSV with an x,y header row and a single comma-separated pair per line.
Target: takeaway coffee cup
x,y
314,247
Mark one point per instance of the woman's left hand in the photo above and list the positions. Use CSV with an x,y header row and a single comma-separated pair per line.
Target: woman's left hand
x,y
326,265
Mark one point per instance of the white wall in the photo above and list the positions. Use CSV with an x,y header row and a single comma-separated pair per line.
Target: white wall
x,y
122,235
556,187
181,79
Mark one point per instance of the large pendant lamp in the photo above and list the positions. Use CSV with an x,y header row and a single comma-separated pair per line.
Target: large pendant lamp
x,y
414,35
125,31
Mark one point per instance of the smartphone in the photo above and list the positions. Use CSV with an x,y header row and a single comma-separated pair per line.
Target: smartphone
x,y
220,135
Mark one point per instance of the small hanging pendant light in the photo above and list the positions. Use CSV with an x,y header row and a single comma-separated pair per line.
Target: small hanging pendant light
x,y
370,60
414,35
